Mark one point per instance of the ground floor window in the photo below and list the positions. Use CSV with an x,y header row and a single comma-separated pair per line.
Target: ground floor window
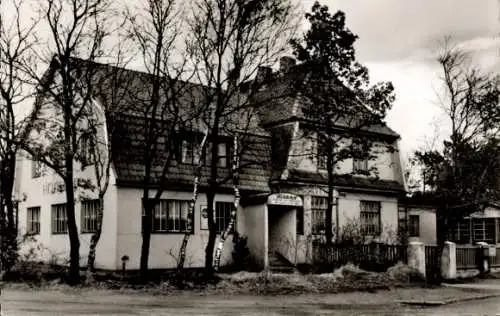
x,y
370,218
89,210
319,206
414,225
223,215
460,234
33,221
483,229
171,216
59,219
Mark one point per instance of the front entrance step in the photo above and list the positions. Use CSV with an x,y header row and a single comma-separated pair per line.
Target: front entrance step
x,y
279,264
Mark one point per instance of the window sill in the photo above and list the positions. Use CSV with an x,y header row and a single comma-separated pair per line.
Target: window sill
x,y
59,233
169,233
88,232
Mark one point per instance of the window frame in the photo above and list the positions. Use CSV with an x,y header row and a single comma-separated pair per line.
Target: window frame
x,y
363,216
360,165
321,156
228,207
318,210
191,141
30,220
57,219
88,219
163,208
36,168
484,229
413,225
87,150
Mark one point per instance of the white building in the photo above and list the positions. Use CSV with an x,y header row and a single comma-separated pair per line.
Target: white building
x,y
283,196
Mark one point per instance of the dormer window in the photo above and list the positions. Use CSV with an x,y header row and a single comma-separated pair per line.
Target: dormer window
x,y
321,156
190,152
360,165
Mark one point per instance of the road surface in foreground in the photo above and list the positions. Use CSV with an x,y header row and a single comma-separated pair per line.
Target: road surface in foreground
x,y
41,303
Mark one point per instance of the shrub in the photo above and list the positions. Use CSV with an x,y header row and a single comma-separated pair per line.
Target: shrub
x,y
241,253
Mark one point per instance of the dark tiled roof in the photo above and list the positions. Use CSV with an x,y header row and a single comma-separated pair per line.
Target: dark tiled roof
x,y
281,101
128,154
343,181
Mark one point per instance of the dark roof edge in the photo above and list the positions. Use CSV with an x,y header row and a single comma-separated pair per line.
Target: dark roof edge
x,y
340,187
129,184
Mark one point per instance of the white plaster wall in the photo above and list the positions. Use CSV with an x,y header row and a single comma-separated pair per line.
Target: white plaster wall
x,y
55,247
164,247
349,210
303,156
427,225
255,228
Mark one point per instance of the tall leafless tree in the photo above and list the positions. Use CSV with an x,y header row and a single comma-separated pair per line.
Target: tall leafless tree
x,y
16,42
228,41
167,106
76,28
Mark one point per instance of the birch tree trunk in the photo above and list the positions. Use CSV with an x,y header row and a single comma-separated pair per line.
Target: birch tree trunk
x,y
227,231
182,250
94,240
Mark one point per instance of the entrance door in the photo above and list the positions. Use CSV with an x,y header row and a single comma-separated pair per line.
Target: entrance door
x,y
282,231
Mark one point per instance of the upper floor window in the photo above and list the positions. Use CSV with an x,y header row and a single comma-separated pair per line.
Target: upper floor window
x,y
36,168
87,149
370,217
321,156
222,154
360,165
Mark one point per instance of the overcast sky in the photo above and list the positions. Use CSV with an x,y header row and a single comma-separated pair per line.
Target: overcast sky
x,y
397,41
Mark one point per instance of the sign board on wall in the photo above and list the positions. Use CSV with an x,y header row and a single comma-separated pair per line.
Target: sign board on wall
x,y
203,217
284,199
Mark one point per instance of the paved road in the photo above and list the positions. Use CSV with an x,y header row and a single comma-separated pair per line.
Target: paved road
x,y
25,303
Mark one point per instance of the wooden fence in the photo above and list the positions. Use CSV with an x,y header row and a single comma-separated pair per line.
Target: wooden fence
x,y
431,261
376,257
495,261
466,257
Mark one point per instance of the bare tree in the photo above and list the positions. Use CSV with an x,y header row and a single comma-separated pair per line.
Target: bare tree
x,y
168,104
228,41
16,42
65,97
463,174
112,83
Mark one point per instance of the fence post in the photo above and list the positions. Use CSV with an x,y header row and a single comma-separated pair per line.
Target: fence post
x,y
449,261
416,256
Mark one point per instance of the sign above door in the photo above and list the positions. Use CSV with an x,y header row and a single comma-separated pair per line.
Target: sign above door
x,y
284,199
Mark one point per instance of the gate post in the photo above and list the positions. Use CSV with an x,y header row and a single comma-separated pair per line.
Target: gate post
x,y
416,256
449,261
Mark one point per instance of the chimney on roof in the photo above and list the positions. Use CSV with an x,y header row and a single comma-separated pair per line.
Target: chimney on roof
x,y
286,63
264,74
